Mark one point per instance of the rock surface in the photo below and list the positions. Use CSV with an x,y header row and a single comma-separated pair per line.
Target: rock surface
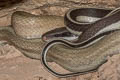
x,y
14,66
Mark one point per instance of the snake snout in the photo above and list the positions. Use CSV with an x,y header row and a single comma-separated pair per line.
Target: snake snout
x,y
59,33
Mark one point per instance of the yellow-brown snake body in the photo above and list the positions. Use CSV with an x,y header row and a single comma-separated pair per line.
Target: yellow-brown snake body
x,y
26,30
32,26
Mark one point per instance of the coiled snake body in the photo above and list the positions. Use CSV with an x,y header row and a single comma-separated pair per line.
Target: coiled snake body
x,y
26,31
88,34
92,47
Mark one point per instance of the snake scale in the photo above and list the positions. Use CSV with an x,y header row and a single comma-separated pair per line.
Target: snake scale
x,y
26,38
29,33
93,45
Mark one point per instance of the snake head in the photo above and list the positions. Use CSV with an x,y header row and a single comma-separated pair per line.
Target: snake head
x,y
59,33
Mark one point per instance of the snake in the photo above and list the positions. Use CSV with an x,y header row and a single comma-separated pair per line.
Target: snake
x,y
26,30
27,33
29,26
91,48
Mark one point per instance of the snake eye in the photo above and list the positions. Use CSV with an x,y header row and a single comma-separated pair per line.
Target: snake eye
x,y
64,34
56,35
